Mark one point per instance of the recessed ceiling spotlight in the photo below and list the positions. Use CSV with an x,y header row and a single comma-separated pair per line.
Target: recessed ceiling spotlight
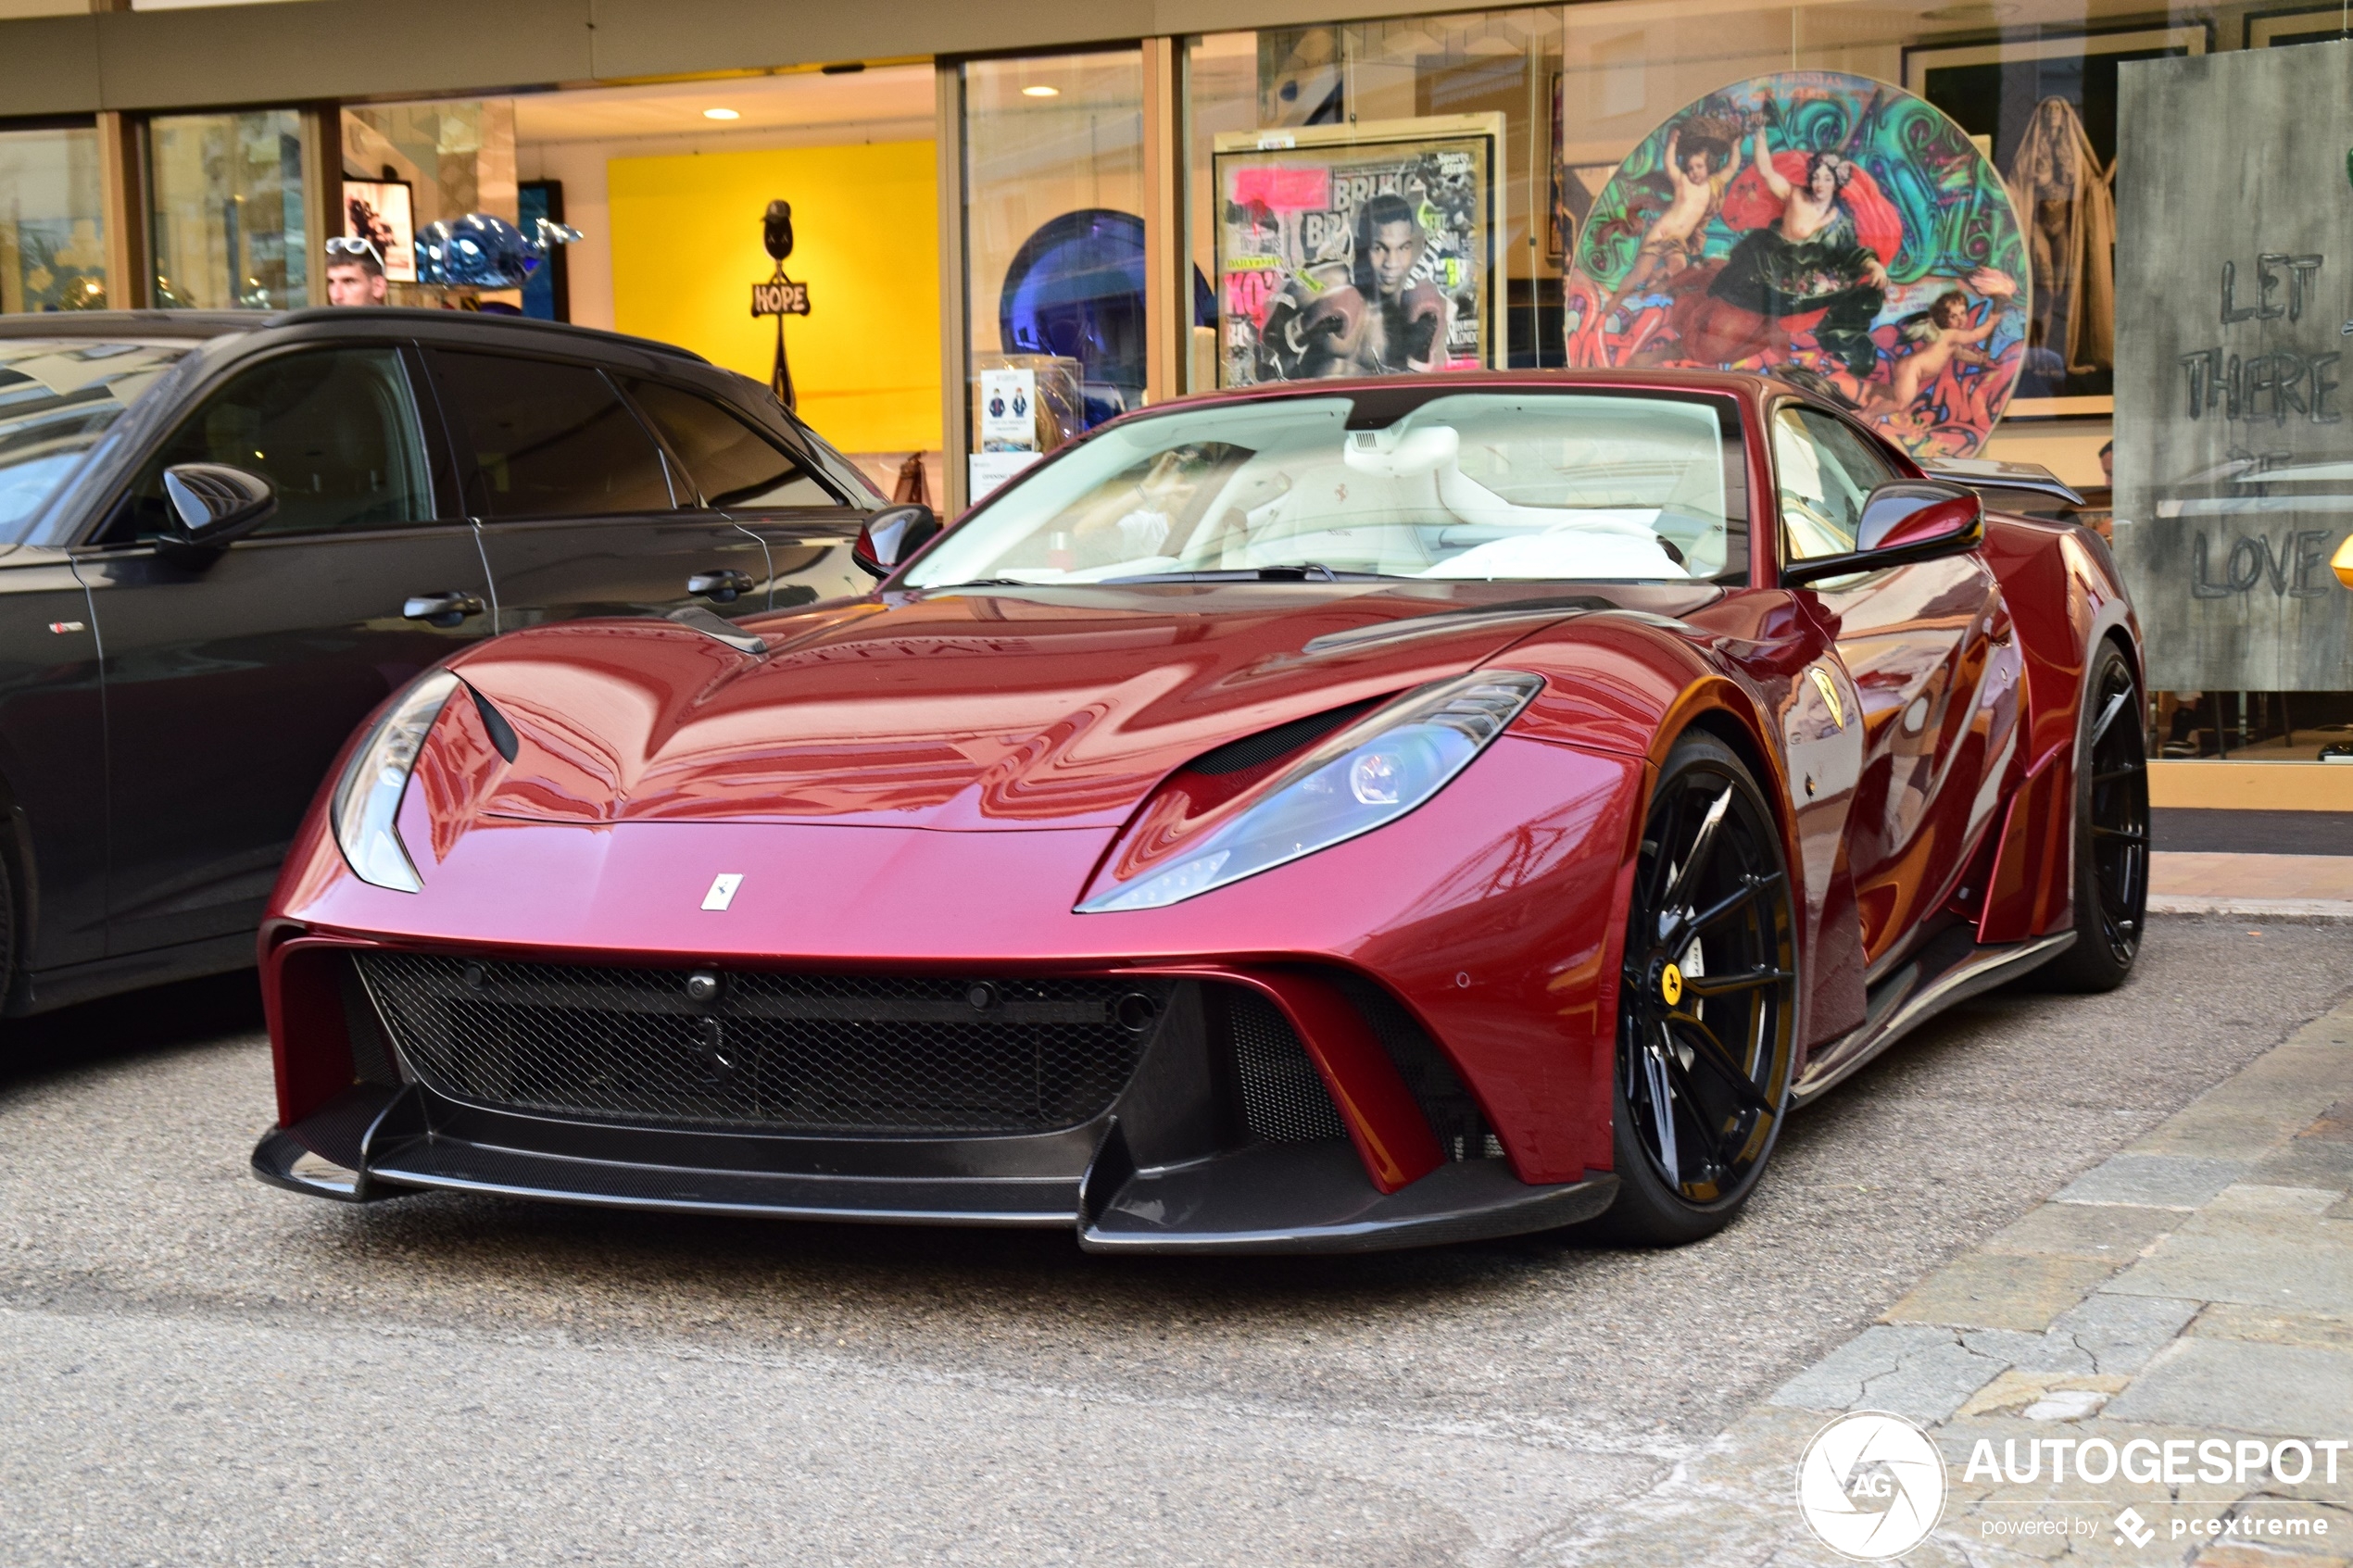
x,y
1041,92
721,114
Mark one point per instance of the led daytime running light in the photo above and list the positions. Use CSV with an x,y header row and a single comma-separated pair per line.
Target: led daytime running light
x,y
366,803
1370,773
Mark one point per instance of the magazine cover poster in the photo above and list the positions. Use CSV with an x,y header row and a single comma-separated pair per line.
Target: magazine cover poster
x,y
1822,227
381,211
1365,250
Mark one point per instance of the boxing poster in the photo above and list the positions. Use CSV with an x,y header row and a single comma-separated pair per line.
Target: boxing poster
x,y
1824,228
1358,250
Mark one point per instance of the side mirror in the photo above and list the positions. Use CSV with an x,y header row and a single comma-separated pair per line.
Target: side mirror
x,y
1904,521
890,536
212,504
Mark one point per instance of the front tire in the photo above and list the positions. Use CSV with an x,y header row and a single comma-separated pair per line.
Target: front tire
x,y
2112,831
1707,1004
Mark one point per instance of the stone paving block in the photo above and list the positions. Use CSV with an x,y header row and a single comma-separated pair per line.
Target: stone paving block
x,y
2045,1396
2029,1352
2267,1197
2286,1262
2307,1161
2001,1290
1836,1381
2155,1181
2112,1232
2120,1333
2241,1385
2228,1320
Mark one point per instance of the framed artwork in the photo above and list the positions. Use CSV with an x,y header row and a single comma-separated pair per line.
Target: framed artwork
x,y
2044,108
1819,227
384,211
2272,29
1352,250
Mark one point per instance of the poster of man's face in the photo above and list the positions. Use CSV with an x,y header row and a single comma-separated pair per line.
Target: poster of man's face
x,y
1357,251
382,212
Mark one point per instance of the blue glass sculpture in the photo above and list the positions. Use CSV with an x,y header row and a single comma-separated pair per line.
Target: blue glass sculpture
x,y
482,252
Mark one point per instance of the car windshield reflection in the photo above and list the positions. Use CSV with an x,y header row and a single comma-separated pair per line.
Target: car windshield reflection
x,y
57,399
1472,487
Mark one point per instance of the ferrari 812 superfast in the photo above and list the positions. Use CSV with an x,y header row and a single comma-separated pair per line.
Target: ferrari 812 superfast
x,y
1334,817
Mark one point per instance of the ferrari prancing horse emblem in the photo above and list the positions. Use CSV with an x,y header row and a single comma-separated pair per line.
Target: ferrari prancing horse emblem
x,y
722,890
1670,986
1830,695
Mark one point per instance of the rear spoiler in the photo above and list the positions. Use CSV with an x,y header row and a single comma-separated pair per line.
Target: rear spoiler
x,y
1985,474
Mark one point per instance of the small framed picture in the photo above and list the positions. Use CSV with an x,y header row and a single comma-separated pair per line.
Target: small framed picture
x,y
382,210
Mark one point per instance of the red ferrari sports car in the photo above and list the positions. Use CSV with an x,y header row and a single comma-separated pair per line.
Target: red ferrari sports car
x,y
1345,816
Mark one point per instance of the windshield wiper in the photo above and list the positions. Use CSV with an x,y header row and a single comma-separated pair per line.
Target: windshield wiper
x,y
981,583
1302,571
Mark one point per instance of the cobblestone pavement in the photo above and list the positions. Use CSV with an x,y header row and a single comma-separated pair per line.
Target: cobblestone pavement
x,y
2195,1285
197,1370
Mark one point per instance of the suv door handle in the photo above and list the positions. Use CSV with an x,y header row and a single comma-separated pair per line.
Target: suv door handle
x,y
441,609
723,586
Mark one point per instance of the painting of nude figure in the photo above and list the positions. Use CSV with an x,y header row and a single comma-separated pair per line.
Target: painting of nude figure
x,y
1820,227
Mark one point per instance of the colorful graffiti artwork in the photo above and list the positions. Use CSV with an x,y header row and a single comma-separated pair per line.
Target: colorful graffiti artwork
x,y
1824,228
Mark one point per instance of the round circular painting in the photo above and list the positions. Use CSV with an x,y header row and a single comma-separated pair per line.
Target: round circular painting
x,y
1824,228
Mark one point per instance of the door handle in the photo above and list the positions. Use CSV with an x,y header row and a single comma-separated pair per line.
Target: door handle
x,y
441,609
723,586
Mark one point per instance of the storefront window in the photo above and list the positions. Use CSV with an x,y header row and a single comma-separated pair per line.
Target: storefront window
x,y
1972,223
229,230
411,165
52,250
1055,252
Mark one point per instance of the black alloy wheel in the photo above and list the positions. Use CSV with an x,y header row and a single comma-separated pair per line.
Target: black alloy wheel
x,y
2111,890
1707,1004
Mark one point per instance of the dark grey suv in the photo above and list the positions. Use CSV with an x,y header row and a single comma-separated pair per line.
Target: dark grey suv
x,y
170,695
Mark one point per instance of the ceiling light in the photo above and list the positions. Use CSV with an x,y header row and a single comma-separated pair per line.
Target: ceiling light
x,y
721,114
1041,92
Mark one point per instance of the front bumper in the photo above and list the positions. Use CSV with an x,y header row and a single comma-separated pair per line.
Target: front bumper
x,y
1297,1132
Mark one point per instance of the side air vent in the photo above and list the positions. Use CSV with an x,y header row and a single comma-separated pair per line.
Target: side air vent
x,y
1453,1115
1283,1097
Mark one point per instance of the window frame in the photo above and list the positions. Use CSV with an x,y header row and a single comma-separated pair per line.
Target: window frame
x,y
423,404
1784,554
677,466
453,420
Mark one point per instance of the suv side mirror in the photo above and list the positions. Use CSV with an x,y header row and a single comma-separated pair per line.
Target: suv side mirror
x,y
1904,521
890,536
212,504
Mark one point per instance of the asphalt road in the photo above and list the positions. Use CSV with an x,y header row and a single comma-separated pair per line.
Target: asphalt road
x,y
196,1369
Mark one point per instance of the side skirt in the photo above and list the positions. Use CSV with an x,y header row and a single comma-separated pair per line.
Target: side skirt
x,y
1949,970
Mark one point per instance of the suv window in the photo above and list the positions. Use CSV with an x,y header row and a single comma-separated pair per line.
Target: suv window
x,y
1825,472
536,438
730,462
333,431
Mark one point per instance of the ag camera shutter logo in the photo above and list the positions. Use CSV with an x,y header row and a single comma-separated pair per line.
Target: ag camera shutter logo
x,y
1872,1486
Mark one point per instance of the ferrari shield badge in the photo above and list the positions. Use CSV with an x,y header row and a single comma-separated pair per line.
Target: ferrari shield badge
x,y
722,890
1829,696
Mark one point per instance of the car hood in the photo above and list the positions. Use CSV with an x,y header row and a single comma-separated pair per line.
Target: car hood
x,y
977,709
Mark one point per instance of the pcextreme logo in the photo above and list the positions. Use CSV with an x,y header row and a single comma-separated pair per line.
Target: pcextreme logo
x,y
1872,1486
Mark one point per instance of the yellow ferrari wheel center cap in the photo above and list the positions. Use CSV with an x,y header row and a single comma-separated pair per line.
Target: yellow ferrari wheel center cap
x,y
1670,986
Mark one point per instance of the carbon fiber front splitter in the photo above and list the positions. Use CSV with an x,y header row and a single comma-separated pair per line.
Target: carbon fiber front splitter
x,y
378,1143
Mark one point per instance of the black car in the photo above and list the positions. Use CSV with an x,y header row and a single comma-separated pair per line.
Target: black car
x,y
172,688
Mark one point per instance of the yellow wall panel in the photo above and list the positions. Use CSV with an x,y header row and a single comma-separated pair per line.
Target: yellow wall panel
x,y
687,250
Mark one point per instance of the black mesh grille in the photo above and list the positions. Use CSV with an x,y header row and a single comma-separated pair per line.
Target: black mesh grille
x,y
1283,1096
769,1052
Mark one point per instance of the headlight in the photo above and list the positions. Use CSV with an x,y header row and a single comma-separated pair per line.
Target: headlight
x,y
1372,773
368,796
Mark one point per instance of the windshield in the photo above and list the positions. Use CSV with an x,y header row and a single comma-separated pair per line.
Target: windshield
x,y
1521,486
57,399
